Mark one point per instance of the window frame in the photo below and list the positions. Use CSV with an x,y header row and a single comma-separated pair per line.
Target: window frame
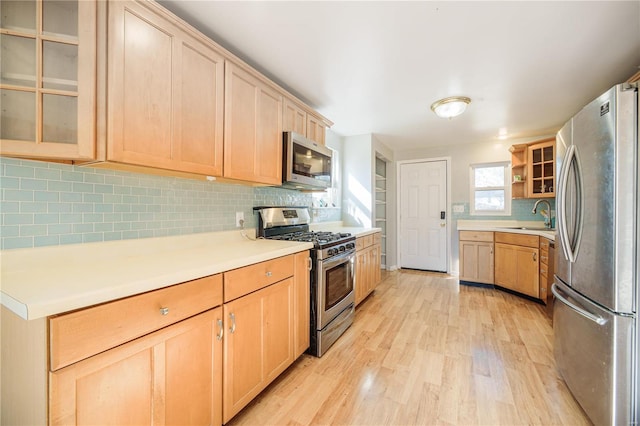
x,y
507,189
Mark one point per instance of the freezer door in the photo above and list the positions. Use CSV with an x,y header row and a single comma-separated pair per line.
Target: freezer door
x,y
605,181
594,352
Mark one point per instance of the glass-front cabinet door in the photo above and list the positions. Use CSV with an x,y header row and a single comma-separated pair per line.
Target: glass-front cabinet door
x,y
48,78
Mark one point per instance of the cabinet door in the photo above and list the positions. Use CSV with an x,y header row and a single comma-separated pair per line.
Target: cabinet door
x,y
315,129
253,128
302,304
165,94
48,79
374,266
258,343
172,376
517,268
528,280
294,118
541,170
361,278
476,261
198,110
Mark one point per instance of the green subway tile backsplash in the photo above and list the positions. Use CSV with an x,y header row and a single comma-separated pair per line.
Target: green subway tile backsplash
x,y
51,204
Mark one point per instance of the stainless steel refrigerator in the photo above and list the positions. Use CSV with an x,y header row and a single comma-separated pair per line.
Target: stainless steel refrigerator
x,y
595,316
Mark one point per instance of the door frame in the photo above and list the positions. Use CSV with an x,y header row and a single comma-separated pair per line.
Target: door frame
x,y
399,164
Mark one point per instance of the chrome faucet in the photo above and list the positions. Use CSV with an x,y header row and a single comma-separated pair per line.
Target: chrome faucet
x,y
547,220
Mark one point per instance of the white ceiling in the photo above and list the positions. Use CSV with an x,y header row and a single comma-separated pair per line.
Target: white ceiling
x,y
376,67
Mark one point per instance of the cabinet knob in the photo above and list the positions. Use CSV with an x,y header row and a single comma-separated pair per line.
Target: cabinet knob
x,y
164,311
269,273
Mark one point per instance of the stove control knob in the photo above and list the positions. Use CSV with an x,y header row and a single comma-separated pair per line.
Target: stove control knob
x,y
350,245
331,251
342,248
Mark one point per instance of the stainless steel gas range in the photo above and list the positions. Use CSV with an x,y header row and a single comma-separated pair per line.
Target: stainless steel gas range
x,y
332,271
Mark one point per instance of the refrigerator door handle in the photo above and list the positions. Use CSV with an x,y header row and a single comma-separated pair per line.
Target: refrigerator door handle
x,y
570,243
595,318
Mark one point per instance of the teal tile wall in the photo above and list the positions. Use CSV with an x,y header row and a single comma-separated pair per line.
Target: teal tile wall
x,y
520,210
45,204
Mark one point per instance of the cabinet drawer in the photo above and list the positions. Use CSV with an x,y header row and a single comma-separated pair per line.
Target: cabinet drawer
x,y
517,239
544,244
486,236
364,242
245,280
81,334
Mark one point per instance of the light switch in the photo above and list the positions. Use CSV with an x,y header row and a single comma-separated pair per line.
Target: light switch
x,y
458,208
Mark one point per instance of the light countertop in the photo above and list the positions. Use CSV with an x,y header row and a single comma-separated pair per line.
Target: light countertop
x,y
513,226
39,282
339,227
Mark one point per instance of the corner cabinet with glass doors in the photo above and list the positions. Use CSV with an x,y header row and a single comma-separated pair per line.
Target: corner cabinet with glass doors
x,y
48,78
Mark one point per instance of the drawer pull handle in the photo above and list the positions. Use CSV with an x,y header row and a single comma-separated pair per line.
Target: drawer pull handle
x,y
221,326
232,317
164,311
269,273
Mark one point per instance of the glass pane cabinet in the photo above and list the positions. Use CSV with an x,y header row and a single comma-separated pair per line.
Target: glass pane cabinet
x,y
541,170
48,78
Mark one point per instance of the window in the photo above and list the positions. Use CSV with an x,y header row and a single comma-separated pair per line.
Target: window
x,y
490,189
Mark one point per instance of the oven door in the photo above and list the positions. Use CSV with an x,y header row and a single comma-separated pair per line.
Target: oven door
x,y
335,287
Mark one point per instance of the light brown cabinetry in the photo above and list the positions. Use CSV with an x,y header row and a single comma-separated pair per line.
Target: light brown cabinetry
x,y
165,93
541,169
259,339
302,303
297,119
316,129
533,169
170,375
547,253
517,263
48,79
294,118
476,256
252,128
368,273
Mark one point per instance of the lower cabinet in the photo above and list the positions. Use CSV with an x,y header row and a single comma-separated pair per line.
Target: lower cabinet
x,y
190,354
476,256
258,344
172,376
368,251
517,263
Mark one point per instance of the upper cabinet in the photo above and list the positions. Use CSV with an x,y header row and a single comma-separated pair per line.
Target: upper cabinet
x,y
48,79
253,128
541,169
128,85
294,118
533,169
165,94
297,119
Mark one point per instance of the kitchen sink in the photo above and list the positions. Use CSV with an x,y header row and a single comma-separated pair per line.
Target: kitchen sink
x,y
531,228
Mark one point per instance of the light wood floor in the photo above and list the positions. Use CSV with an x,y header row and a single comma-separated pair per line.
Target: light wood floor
x,y
425,351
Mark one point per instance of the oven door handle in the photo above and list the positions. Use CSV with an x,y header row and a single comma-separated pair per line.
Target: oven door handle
x,y
338,260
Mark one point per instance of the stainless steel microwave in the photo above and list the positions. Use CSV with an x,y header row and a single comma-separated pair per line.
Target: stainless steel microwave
x,y
306,164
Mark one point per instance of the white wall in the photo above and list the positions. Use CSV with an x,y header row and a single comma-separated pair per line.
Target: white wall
x,y
357,181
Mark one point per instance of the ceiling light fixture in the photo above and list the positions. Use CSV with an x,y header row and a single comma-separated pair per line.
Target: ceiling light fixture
x,y
450,107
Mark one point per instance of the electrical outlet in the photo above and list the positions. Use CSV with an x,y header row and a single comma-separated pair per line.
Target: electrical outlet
x,y
239,219
458,208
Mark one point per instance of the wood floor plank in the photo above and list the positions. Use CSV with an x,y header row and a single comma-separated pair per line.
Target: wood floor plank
x,y
426,351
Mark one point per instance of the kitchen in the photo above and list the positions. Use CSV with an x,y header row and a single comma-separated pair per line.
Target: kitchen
x,y
83,204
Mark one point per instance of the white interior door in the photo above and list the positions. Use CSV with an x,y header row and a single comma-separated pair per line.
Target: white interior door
x,y
423,226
